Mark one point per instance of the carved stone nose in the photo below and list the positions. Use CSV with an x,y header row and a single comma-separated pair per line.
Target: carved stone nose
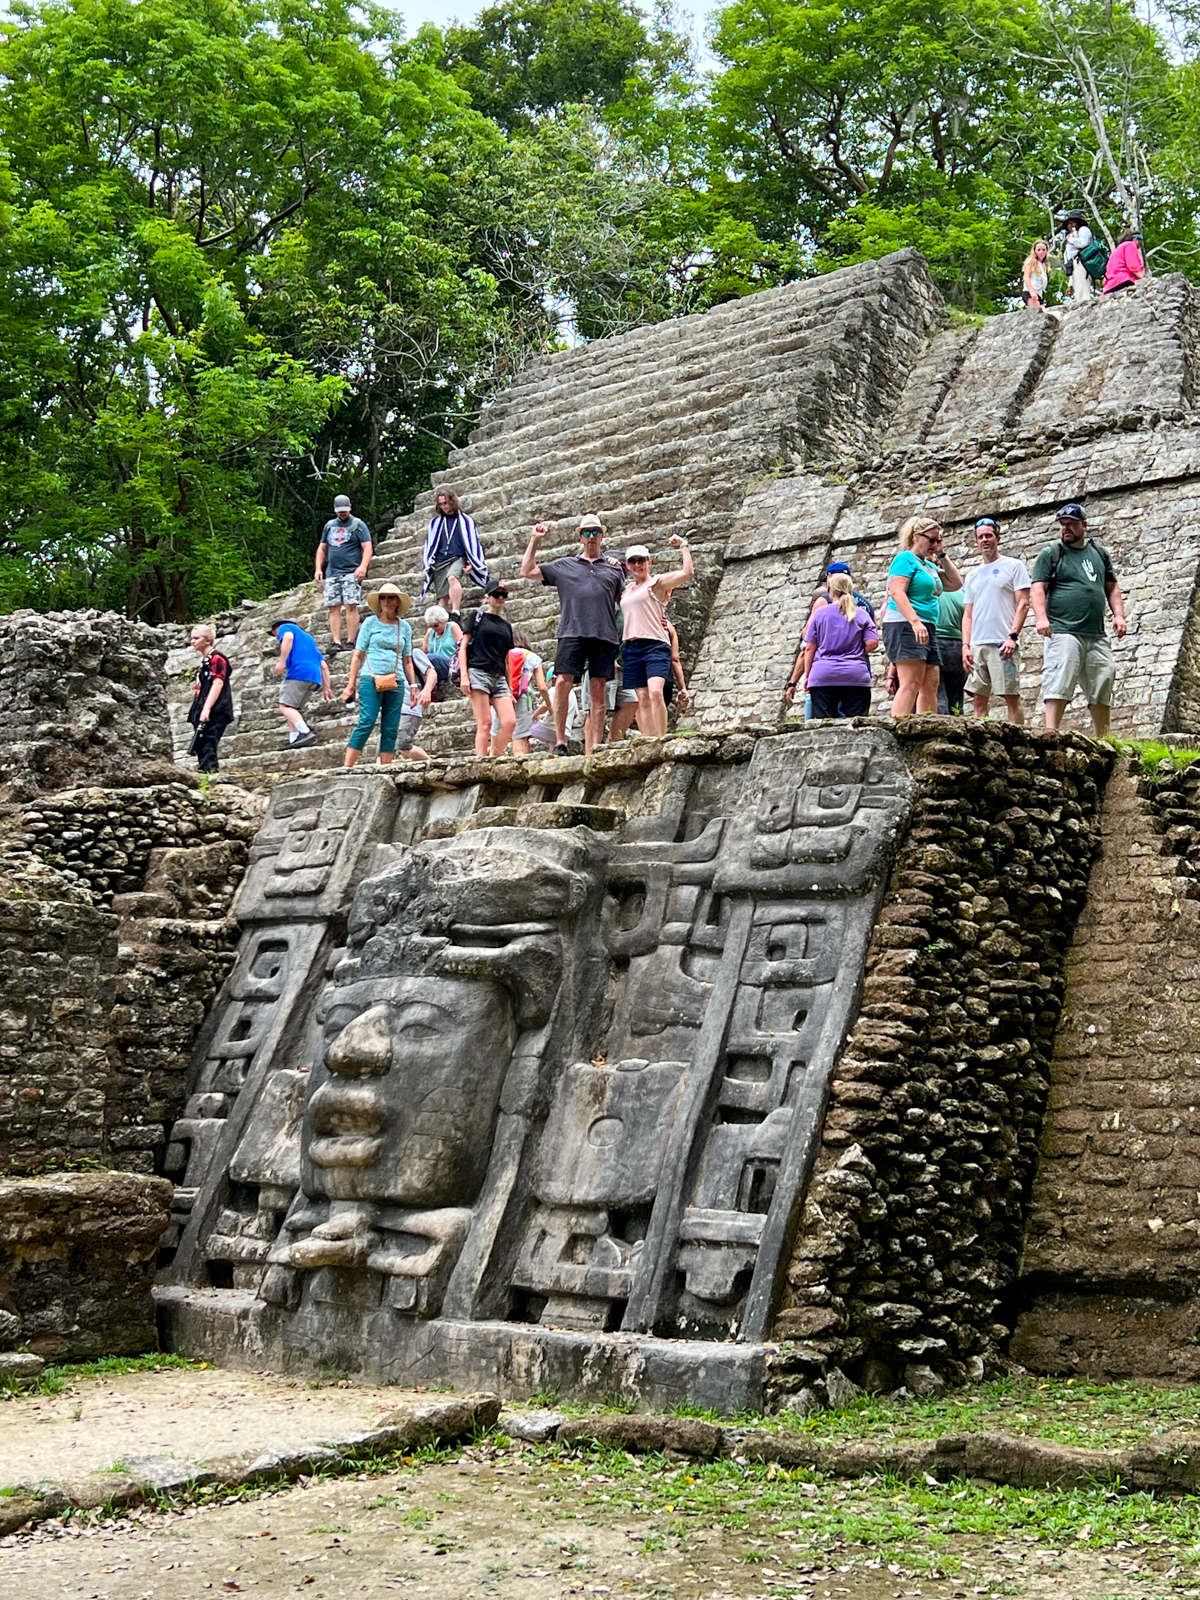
x,y
363,1049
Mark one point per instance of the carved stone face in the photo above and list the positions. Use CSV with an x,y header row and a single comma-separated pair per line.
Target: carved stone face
x,y
403,1107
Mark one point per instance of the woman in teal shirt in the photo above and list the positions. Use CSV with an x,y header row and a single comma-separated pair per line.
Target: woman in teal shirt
x,y
383,648
916,579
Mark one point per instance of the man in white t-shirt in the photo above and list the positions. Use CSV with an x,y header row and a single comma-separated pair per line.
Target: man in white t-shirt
x,y
997,603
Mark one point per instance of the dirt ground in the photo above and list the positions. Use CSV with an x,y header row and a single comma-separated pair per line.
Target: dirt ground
x,y
514,1521
463,1529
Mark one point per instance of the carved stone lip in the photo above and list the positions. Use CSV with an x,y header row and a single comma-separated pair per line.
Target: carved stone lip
x,y
346,1150
348,1122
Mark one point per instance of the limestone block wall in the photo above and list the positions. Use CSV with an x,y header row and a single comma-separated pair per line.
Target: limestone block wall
x,y
1112,1253
906,1255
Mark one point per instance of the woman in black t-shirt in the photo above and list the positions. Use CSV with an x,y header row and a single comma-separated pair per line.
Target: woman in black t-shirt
x,y
483,671
211,710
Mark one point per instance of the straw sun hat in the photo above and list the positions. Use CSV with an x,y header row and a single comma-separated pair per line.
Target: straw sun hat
x,y
390,589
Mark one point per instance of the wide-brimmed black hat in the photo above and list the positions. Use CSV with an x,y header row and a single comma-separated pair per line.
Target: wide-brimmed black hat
x,y
1075,216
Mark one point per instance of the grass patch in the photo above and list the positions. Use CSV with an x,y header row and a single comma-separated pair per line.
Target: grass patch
x,y
1150,756
57,1379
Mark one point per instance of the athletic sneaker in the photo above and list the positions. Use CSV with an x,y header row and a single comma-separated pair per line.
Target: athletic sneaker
x,y
560,750
304,739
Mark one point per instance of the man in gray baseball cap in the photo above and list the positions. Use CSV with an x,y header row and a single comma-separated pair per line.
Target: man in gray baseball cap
x,y
343,556
1073,582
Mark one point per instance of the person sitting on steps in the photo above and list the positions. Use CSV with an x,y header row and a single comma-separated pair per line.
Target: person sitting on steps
x,y
441,640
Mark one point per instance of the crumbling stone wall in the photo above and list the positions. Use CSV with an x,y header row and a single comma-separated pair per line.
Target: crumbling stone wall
x,y
910,1234
114,898
1112,1253
77,1258
82,697
115,917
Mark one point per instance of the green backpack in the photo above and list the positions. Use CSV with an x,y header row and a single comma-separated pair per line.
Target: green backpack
x,y
1095,259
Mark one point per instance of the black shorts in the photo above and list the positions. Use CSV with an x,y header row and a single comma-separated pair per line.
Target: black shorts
x,y
576,655
900,642
841,700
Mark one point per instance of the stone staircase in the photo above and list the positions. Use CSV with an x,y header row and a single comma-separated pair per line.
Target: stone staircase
x,y
658,431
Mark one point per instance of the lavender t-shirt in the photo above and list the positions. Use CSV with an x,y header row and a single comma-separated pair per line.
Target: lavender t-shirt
x,y
840,657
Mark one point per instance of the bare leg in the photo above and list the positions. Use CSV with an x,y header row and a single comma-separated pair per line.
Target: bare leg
x,y
415,753
335,624
1016,711
927,693
1100,716
351,624
593,733
563,684
386,757
293,718
455,588
520,747
622,721
1054,714
658,706
911,675
506,716
481,705
350,759
980,703
645,714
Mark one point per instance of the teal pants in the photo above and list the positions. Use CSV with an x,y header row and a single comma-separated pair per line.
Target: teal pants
x,y
374,707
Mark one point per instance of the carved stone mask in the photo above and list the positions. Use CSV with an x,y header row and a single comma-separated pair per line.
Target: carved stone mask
x,y
403,1106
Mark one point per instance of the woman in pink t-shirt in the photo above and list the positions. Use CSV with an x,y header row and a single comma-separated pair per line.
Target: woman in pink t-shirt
x,y
646,651
1125,265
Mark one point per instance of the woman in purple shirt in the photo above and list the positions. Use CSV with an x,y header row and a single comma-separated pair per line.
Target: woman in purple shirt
x,y
833,661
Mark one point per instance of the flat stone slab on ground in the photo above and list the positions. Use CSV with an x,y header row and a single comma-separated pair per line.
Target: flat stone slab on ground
x,y
174,1412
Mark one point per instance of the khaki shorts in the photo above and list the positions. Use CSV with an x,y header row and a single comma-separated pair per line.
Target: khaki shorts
x,y
294,693
1070,663
992,674
439,577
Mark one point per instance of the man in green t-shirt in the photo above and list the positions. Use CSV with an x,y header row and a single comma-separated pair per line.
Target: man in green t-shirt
x,y
1074,580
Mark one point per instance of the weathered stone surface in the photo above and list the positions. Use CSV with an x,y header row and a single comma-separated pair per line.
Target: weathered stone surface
x,y
82,695
912,1224
77,1255
20,1368
1112,1250
681,1435
534,1427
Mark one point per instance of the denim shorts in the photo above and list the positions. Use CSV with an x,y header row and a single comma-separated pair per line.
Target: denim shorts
x,y
494,684
642,660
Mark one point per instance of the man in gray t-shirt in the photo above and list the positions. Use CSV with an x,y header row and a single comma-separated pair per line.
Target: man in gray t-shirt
x,y
343,556
589,589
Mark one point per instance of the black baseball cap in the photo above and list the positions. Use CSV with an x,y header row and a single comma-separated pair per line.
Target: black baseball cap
x,y
1071,512
497,590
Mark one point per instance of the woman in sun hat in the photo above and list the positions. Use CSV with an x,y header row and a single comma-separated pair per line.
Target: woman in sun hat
x,y
381,662
646,653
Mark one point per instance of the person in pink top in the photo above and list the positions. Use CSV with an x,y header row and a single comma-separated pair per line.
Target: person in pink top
x,y
646,652
1125,265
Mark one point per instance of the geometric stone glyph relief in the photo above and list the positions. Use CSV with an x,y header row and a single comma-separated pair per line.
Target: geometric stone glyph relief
x,y
547,1078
